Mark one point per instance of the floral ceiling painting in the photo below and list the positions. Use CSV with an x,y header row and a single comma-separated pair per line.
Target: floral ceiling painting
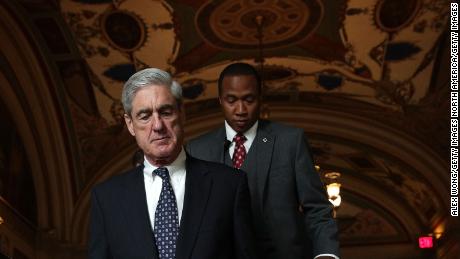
x,y
379,51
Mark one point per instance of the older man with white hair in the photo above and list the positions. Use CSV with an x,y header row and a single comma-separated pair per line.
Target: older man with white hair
x,y
173,205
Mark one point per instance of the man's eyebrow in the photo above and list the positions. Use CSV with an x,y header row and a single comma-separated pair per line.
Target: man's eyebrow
x,y
244,96
166,107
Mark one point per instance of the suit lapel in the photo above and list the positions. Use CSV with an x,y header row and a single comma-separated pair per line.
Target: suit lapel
x,y
197,189
134,207
263,146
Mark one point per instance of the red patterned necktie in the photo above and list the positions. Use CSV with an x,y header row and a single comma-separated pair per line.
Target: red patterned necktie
x,y
240,151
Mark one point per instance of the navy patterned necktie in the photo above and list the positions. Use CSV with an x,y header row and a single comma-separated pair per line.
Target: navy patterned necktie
x,y
166,227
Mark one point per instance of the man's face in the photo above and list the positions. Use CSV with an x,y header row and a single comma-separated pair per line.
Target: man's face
x,y
156,123
239,99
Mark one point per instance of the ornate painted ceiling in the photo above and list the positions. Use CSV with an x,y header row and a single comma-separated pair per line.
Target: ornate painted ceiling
x,y
381,52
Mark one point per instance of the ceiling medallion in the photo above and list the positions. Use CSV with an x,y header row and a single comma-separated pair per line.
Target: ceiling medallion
x,y
393,15
123,30
232,24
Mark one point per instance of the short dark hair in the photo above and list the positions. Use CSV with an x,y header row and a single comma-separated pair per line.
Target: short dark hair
x,y
239,69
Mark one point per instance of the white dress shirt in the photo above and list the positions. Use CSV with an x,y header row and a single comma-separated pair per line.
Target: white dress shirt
x,y
250,135
153,184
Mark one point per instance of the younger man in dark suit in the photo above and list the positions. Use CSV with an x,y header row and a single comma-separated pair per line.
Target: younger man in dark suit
x,y
172,206
280,172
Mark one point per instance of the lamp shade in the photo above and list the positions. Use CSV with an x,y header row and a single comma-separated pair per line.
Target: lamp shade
x,y
333,190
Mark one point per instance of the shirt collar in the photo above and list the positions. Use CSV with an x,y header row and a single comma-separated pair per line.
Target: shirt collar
x,y
250,134
174,167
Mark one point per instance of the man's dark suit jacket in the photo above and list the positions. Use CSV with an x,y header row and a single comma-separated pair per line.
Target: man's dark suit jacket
x,y
281,177
215,222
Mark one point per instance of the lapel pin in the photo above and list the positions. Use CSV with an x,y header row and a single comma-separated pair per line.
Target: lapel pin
x,y
264,140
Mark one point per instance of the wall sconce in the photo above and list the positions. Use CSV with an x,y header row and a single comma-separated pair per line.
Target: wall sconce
x,y
333,188
333,191
439,230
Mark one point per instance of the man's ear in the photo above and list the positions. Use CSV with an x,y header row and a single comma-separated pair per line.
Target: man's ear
x,y
129,124
220,100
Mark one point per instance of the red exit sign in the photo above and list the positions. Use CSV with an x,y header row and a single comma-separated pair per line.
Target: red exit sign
x,y
425,242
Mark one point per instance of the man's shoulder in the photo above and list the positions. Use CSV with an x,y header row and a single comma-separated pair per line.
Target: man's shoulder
x,y
208,136
216,169
210,166
278,127
117,181
202,143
